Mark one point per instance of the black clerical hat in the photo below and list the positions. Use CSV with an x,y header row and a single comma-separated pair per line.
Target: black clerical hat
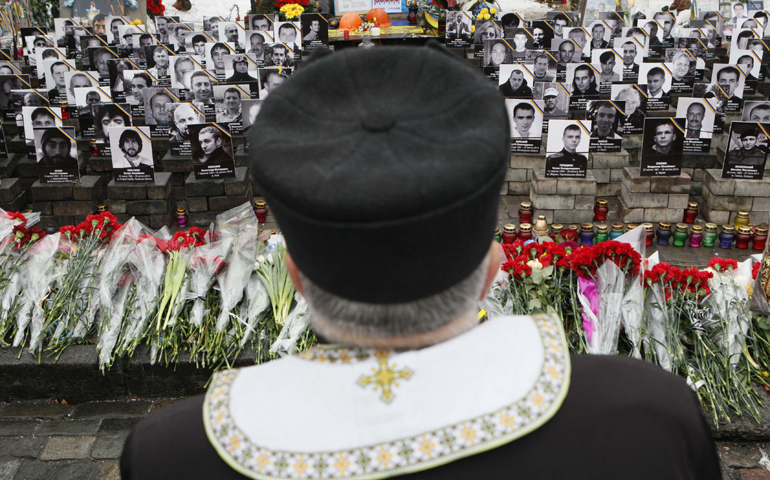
x,y
383,168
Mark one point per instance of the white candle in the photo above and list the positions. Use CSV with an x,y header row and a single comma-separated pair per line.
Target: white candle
x,y
376,31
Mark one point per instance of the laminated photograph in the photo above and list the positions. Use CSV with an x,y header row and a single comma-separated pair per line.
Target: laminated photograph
x,y
290,34
756,111
737,15
279,55
184,115
201,89
746,153
181,66
751,65
257,46
47,54
212,151
615,21
64,31
270,78
542,65
667,26
553,100
705,46
228,100
542,34
515,81
158,63
567,148
583,86
743,38
610,67
56,152
195,43
559,21
240,69
88,42
497,52
260,22
87,96
39,117
113,24
8,84
215,57
606,117
580,38
233,34
510,21
26,97
635,107
654,34
731,80
657,78
662,144
682,64
458,29
565,52
180,33
105,116
162,27
715,20
211,26
601,35
159,110
707,32
715,96
136,82
526,125
141,43
131,151
638,35
699,129
592,9
100,60
315,30
522,42
55,80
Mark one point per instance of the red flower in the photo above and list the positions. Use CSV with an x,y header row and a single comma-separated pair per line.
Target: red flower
x,y
723,264
755,270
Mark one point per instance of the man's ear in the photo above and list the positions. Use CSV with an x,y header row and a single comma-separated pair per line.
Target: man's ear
x,y
294,274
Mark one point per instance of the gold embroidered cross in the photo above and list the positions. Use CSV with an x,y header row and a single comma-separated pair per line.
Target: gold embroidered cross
x,y
384,378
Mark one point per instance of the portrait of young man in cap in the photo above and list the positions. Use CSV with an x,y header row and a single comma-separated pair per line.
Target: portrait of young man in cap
x,y
239,69
553,100
407,322
747,151
56,153
567,148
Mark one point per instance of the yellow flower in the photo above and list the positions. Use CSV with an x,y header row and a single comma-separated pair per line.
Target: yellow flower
x,y
487,17
136,22
494,10
483,11
473,28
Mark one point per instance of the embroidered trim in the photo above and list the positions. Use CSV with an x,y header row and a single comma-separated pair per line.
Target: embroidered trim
x,y
405,455
385,376
335,354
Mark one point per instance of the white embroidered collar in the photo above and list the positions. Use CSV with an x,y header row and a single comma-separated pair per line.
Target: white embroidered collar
x,y
367,414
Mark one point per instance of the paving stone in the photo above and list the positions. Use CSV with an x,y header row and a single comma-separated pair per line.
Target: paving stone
x,y
585,202
117,206
670,215
10,188
68,427
602,175
161,188
126,191
197,204
89,188
740,456
226,202
36,410
677,184
678,200
46,192
107,470
8,468
551,202
12,428
634,182
239,184
75,208
114,426
577,186
572,216
22,447
752,188
108,446
543,185
67,448
648,200
608,189
718,185
754,474
112,409
148,207
610,160
629,215
55,470
203,188
726,202
45,208
516,175
518,188
528,161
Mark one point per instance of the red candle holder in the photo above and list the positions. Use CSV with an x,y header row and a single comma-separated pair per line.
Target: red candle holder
x,y
690,213
600,210
260,210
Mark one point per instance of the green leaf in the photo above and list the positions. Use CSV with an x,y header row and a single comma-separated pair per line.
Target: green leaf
x,y
548,271
537,276
535,303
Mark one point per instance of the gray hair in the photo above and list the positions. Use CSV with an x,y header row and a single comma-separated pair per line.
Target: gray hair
x,y
399,319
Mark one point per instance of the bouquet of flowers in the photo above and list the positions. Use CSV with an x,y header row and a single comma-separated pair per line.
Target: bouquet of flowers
x,y
606,273
291,334
664,304
69,310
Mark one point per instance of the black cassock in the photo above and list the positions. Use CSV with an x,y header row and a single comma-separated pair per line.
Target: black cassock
x,y
622,419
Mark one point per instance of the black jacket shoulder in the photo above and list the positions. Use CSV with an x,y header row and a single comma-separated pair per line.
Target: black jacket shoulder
x,y
622,418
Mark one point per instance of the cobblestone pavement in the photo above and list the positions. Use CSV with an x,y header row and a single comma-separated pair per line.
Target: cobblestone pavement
x,y
49,440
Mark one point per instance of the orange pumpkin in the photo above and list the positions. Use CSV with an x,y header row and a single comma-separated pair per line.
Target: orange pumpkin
x,y
379,17
350,21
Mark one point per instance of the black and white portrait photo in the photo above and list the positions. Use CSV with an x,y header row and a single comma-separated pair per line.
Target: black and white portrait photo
x,y
657,78
288,33
201,89
682,65
515,81
458,29
233,34
699,128
580,38
212,151
559,21
662,144
635,107
553,100
526,125
731,80
269,79
606,118
131,151
215,56
747,149
260,22
542,65
39,117
583,85
158,61
228,100
542,34
87,96
182,66
600,35
240,69
77,79
315,30
756,111
610,68
632,54
157,115
497,52
567,148
751,65
184,115
56,152
56,80
106,116
257,45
